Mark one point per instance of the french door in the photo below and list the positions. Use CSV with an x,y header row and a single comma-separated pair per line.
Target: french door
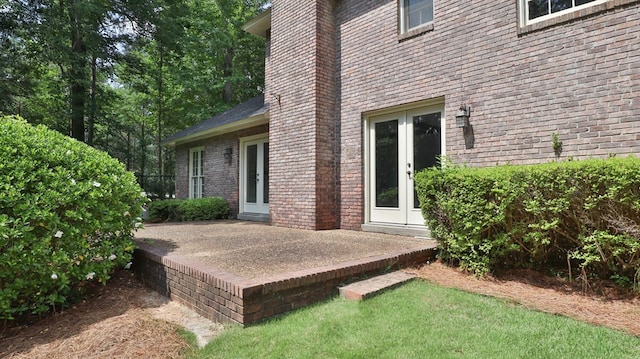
x,y
401,144
255,175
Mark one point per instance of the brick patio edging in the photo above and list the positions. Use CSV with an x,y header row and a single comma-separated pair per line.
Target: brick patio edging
x,y
227,298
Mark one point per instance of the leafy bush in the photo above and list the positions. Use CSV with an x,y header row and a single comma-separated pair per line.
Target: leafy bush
x,y
200,209
67,212
576,214
204,209
164,210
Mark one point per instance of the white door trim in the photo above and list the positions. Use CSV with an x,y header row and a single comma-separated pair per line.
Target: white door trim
x,y
406,216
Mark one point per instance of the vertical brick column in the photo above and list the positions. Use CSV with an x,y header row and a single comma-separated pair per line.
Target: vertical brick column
x,y
303,121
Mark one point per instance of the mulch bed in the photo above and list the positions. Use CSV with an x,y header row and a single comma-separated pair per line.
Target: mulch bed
x,y
111,323
599,302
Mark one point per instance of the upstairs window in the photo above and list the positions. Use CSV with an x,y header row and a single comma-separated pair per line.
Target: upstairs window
x,y
415,13
538,10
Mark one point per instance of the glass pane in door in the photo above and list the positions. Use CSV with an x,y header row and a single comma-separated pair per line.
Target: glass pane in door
x,y
265,172
426,144
252,174
386,162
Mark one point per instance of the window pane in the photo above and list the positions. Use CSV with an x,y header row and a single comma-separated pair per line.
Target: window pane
x,y
201,169
559,5
538,8
194,163
387,164
265,171
418,12
582,2
252,174
427,144
194,187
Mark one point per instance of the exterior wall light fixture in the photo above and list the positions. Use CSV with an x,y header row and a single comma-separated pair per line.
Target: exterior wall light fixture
x,y
227,154
462,116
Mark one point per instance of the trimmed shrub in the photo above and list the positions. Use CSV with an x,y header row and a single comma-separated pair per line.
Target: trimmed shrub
x,y
67,212
201,209
576,214
164,210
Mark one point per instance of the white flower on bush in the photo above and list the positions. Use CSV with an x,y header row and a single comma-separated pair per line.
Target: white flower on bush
x,y
54,276
73,182
112,257
138,224
98,258
68,152
143,194
58,234
90,275
128,265
96,184
126,214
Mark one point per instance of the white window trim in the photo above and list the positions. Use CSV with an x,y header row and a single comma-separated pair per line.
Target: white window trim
x,y
196,191
404,27
524,12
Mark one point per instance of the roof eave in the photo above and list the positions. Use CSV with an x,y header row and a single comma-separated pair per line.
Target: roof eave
x,y
259,24
252,121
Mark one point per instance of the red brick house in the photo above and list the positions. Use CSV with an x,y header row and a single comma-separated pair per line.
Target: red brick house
x,y
359,94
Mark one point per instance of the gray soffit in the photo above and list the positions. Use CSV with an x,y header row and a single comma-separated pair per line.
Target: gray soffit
x,y
259,24
250,113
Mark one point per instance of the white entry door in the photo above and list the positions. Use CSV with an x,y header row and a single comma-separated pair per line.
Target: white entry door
x,y
255,176
401,144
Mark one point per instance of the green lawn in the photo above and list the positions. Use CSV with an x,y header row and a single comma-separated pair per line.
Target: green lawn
x,y
420,320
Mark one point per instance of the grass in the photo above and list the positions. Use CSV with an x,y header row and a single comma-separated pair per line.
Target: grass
x,y
420,320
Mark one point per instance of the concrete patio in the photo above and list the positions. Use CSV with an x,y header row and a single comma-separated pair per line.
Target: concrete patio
x,y
243,272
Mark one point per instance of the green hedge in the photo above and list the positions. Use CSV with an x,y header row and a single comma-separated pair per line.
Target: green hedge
x,y
575,215
201,209
67,212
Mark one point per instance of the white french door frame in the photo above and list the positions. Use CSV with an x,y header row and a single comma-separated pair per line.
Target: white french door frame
x,y
259,206
405,214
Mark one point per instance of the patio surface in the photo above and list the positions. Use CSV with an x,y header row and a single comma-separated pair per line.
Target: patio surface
x,y
244,272
256,250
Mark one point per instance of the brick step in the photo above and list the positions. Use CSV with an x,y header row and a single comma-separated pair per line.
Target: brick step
x,y
369,287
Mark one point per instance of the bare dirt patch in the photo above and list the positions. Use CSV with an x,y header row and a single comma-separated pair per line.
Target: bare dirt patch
x,y
602,304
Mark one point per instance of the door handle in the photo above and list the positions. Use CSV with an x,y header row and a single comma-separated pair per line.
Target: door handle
x,y
410,173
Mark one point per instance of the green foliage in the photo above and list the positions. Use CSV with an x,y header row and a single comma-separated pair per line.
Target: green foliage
x,y
67,212
204,209
579,214
396,323
201,209
162,211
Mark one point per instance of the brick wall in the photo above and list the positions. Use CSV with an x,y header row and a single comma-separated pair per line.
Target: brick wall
x,y
301,72
580,79
227,298
220,178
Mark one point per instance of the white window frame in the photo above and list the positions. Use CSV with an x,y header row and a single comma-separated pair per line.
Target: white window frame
x,y
196,172
524,11
404,20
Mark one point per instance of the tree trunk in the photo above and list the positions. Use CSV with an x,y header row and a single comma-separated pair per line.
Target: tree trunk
x,y
160,99
92,106
227,95
77,76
